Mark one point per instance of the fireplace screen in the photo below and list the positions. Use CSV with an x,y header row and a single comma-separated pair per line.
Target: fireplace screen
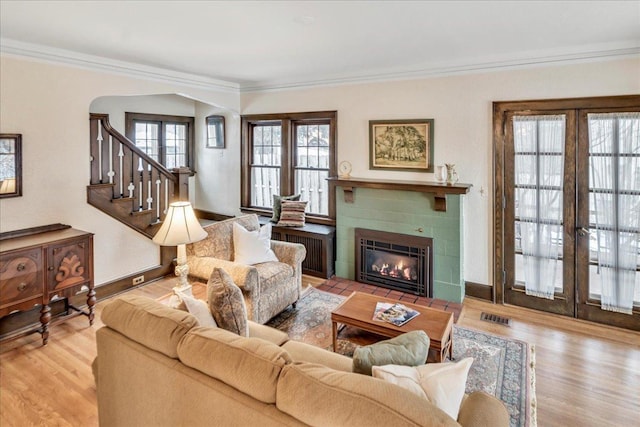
x,y
395,261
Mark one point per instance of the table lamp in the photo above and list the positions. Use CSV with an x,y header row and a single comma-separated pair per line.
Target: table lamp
x,y
180,227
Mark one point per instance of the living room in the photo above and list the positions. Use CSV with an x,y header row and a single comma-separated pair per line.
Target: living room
x,y
48,91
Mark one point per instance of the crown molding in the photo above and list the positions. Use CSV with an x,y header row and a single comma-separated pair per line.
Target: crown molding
x,y
91,62
454,69
99,63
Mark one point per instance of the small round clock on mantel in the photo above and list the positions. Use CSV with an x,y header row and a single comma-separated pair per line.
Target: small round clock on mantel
x,y
344,169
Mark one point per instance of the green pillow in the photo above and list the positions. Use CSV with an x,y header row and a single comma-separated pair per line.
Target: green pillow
x,y
410,349
277,205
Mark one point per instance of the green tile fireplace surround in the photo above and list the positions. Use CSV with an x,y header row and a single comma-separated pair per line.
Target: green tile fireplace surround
x,y
415,212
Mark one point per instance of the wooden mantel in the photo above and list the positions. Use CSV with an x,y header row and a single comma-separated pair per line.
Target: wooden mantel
x,y
440,190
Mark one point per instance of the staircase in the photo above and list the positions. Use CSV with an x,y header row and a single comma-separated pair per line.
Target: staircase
x,y
126,183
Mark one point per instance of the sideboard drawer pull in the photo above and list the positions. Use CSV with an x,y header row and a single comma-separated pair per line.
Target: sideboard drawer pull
x,y
21,266
51,268
22,286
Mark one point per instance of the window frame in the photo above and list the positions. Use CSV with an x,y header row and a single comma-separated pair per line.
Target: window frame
x,y
288,122
132,118
17,164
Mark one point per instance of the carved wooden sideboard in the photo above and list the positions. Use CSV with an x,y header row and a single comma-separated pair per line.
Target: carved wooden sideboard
x,y
42,265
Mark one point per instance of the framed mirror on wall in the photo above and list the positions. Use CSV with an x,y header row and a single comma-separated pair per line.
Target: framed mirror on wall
x,y
215,132
10,165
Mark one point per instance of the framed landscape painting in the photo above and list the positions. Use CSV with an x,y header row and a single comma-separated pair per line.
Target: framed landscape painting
x,y
401,145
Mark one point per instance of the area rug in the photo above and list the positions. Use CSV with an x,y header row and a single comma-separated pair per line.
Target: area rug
x,y
502,367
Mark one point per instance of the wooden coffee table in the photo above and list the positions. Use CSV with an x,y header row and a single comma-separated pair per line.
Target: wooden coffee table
x,y
357,310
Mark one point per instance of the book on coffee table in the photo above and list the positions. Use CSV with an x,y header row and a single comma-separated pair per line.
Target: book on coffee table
x,y
396,314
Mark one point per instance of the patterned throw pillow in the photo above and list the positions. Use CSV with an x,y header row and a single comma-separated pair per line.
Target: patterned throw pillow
x,y
277,205
226,303
292,214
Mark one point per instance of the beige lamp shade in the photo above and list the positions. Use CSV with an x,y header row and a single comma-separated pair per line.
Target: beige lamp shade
x,y
180,226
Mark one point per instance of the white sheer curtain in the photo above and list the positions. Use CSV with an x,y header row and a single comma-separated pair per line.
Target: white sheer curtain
x,y
539,167
614,182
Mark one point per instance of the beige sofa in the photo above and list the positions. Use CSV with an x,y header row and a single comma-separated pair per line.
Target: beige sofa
x,y
268,287
156,367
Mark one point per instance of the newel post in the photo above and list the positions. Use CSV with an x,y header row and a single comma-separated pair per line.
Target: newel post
x,y
181,191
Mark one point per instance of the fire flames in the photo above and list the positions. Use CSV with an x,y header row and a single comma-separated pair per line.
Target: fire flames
x,y
398,271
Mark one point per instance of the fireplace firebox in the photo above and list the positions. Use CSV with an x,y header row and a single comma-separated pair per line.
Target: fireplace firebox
x,y
395,261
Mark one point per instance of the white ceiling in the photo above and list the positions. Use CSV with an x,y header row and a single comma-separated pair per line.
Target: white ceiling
x,y
266,44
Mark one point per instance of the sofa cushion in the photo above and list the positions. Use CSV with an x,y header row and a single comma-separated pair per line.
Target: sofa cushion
x,y
277,205
409,349
227,303
443,384
301,352
256,330
252,247
148,322
250,365
219,242
314,394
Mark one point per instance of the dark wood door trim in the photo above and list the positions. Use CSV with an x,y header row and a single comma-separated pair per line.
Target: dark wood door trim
x,y
585,308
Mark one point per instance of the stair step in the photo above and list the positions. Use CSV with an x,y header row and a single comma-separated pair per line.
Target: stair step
x,y
102,184
144,212
122,199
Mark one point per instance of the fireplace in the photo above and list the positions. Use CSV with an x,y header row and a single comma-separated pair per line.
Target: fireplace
x,y
395,261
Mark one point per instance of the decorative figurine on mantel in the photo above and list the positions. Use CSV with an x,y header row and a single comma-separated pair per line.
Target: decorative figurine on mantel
x,y
452,175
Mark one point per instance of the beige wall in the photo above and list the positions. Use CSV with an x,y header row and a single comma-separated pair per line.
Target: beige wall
x,y
217,182
49,105
462,108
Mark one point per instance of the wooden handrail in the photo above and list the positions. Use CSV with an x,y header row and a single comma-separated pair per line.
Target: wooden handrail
x,y
127,142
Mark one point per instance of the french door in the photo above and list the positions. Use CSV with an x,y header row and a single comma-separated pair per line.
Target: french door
x,y
568,215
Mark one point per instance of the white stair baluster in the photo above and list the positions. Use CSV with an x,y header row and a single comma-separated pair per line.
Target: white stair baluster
x,y
158,198
111,172
121,156
149,197
166,195
140,170
99,139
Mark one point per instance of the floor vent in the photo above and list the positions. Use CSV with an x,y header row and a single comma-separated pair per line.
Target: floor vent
x,y
488,317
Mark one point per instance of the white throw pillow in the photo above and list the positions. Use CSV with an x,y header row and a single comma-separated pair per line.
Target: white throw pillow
x,y
443,384
252,247
199,309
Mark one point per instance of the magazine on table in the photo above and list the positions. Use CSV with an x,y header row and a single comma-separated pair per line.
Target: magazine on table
x,y
380,307
396,314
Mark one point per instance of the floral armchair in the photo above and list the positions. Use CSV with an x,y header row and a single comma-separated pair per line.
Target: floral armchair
x,y
268,287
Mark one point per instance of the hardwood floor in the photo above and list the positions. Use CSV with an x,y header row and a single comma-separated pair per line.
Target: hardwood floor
x,y
586,374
